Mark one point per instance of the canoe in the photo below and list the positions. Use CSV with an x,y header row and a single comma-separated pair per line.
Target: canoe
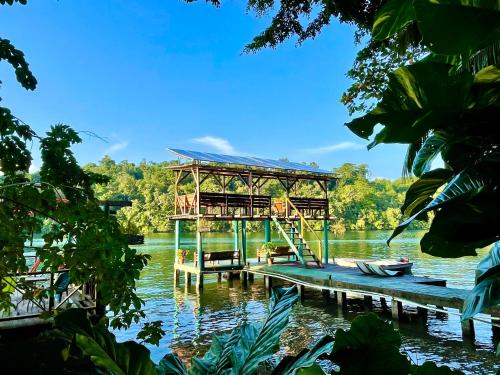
x,y
384,267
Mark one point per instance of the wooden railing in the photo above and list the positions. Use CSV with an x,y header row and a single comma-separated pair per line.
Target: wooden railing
x,y
305,207
33,294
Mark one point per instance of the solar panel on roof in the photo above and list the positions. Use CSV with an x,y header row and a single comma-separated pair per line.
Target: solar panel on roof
x,y
248,161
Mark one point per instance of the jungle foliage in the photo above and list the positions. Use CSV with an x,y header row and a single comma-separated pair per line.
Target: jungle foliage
x,y
82,237
356,202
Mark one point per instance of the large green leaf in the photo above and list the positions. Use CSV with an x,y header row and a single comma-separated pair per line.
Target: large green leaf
x,y
420,193
313,370
453,27
128,358
306,358
486,293
217,358
419,97
171,364
489,264
371,346
391,17
257,343
427,153
465,184
459,229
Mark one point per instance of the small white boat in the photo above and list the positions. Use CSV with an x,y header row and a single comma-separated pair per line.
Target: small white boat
x,y
385,267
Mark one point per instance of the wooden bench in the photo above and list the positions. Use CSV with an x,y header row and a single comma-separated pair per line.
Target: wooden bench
x,y
311,206
217,256
281,251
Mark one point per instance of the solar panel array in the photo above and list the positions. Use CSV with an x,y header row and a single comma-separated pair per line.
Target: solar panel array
x,y
247,161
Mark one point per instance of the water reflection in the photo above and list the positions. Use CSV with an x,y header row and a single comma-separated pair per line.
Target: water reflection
x,y
191,319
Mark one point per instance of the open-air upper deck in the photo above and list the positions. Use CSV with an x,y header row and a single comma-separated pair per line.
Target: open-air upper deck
x,y
195,198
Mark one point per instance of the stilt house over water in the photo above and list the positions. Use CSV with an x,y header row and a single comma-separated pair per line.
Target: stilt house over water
x,y
223,187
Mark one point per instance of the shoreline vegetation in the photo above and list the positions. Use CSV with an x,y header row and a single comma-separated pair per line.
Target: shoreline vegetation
x,y
356,202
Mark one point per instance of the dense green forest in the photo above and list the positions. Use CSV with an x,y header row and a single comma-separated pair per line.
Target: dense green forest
x,y
356,202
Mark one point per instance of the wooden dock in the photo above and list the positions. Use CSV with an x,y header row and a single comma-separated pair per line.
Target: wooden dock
x,y
425,293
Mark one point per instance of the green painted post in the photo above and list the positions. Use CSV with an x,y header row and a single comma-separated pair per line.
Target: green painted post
x,y
178,228
199,249
244,241
267,230
236,239
325,240
301,248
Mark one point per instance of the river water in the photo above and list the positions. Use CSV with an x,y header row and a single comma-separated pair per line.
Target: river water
x,y
191,319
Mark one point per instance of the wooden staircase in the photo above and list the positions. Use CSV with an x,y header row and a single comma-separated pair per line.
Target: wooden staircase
x,y
297,243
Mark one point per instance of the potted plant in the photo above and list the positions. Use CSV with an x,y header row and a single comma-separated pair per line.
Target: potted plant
x,y
269,248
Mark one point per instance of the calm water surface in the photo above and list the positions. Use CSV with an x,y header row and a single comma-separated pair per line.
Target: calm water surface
x,y
190,319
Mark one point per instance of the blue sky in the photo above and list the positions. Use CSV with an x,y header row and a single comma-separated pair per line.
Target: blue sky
x,y
147,75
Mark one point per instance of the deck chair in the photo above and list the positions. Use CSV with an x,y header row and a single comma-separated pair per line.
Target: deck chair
x,y
61,285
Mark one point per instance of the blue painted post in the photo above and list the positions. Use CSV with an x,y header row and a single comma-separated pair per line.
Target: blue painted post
x,y
236,238
244,241
178,229
325,240
267,230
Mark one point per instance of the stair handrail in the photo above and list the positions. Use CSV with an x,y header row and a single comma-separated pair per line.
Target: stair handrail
x,y
303,220
287,239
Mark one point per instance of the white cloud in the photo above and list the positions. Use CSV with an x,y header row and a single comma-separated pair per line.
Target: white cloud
x,y
116,147
219,144
335,147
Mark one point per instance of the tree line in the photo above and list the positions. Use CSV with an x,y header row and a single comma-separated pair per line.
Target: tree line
x,y
356,201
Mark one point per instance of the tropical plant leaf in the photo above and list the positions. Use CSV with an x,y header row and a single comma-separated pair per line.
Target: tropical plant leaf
x,y
171,364
420,193
486,293
465,184
315,369
392,17
483,295
258,342
428,152
488,75
306,358
419,97
488,264
473,23
373,340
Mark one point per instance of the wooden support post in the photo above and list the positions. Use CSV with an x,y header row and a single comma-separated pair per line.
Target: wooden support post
x,y
268,282
219,277
325,293
367,302
250,277
422,314
325,241
243,242
301,289
396,309
236,235
244,277
187,278
495,330
300,247
178,229
199,250
383,303
199,282
177,276
342,299
267,230
468,329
